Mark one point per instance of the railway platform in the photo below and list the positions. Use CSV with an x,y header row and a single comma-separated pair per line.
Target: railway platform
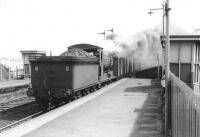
x,y
127,108
12,83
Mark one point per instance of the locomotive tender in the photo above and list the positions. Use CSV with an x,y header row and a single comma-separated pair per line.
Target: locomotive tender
x,y
61,78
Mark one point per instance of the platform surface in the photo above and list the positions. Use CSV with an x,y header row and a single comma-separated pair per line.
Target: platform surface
x,y
4,84
131,109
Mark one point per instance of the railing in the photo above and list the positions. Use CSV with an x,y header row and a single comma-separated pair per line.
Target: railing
x,y
185,110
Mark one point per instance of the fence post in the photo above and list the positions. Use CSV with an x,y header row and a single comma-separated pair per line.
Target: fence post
x,y
169,108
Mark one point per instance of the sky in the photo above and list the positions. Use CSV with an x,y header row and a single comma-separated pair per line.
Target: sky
x,y
53,25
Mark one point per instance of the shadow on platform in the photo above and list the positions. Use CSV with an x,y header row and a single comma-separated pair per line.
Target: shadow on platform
x,y
150,117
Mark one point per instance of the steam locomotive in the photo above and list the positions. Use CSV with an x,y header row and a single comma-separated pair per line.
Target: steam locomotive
x,y
56,79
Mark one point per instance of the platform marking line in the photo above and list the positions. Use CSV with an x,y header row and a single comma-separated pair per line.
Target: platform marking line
x,y
37,122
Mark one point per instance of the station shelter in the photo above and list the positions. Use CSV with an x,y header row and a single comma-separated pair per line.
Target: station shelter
x,y
185,58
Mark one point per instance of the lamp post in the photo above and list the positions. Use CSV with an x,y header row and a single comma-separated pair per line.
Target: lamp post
x,y
166,10
103,33
111,30
163,9
163,27
167,103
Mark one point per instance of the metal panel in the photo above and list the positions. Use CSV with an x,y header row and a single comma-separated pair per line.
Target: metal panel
x,y
185,52
84,75
55,73
174,49
174,68
185,73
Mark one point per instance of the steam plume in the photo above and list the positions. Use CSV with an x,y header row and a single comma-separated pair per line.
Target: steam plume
x,y
144,48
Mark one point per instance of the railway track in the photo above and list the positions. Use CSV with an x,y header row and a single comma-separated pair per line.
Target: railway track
x,y
15,116
15,103
20,121
19,114
16,112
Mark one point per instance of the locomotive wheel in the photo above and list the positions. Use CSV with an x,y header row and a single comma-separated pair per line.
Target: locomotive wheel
x,y
92,90
88,91
74,96
67,100
44,104
83,93
99,86
79,94
55,102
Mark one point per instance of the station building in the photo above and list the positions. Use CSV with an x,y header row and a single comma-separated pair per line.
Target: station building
x,y
28,55
185,58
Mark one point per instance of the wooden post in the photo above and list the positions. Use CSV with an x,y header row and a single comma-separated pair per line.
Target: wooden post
x,y
167,103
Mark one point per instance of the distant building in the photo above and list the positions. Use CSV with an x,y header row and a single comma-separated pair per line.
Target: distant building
x,y
30,55
185,58
4,72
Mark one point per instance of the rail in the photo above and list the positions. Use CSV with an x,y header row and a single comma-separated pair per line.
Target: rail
x,y
20,121
185,110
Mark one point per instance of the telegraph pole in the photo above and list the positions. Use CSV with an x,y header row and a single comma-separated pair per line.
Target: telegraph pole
x,y
167,40
167,103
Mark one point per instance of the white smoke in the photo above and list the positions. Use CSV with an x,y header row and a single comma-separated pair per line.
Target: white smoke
x,y
144,48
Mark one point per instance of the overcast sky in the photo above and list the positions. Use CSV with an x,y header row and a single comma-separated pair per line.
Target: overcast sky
x,y
55,24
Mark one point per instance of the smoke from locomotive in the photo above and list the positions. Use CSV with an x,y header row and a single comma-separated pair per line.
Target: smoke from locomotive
x,y
144,48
